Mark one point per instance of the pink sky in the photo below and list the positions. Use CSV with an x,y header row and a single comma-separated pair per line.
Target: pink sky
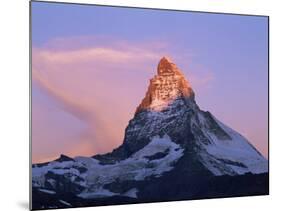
x,y
84,95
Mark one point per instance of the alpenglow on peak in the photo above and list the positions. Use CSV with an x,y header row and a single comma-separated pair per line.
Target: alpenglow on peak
x,y
166,86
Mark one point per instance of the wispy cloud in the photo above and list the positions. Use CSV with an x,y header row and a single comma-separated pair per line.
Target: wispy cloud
x,y
99,83
92,83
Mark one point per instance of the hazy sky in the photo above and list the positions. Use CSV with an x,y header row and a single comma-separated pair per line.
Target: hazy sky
x,y
91,67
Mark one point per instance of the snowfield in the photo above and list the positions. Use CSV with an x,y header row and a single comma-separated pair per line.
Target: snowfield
x,y
237,154
136,167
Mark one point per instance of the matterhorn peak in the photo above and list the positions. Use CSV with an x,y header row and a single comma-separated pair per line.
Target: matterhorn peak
x,y
171,150
166,67
165,87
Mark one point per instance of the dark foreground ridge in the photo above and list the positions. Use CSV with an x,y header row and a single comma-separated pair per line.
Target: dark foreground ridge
x,y
166,189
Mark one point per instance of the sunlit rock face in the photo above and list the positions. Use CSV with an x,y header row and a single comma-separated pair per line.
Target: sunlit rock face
x,y
166,86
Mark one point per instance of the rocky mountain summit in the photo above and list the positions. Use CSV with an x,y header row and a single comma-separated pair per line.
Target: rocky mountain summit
x,y
172,150
166,86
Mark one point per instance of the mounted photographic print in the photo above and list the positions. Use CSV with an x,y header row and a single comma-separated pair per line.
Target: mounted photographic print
x,y
135,105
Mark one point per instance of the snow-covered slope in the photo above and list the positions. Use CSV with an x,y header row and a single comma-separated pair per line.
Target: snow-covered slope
x,y
232,155
153,160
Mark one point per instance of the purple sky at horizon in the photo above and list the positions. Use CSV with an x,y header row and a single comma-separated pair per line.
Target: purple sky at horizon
x,y
91,67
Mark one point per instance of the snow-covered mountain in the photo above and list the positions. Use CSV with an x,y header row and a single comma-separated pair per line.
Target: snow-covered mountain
x,y
168,138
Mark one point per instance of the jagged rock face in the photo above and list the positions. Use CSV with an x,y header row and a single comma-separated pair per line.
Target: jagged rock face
x,y
168,107
166,86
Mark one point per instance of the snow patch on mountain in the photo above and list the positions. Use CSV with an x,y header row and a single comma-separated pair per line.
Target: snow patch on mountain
x,y
58,168
65,203
231,156
98,193
137,167
132,193
47,191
